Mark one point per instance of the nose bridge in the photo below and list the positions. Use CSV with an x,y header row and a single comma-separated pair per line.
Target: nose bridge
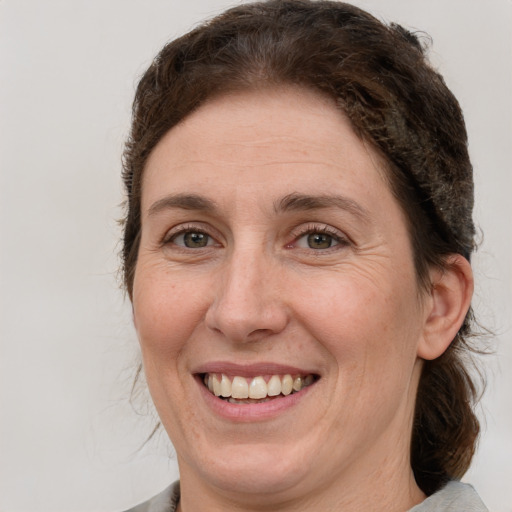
x,y
246,304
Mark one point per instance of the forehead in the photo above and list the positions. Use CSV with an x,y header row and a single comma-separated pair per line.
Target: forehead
x,y
280,137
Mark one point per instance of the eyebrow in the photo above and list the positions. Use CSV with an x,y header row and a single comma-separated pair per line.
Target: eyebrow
x,y
183,201
305,202
290,203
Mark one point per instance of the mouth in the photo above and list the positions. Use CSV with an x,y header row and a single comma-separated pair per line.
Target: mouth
x,y
259,389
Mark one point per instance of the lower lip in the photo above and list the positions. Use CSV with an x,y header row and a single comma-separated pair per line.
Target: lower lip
x,y
251,412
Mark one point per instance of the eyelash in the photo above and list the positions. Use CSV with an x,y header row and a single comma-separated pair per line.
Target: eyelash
x,y
322,229
340,239
170,237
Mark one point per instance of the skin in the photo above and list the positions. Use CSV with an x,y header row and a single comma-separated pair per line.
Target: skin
x,y
257,294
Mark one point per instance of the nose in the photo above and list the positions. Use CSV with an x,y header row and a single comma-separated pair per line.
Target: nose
x,y
248,304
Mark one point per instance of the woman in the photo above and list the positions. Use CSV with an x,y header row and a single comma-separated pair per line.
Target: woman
x,y
296,249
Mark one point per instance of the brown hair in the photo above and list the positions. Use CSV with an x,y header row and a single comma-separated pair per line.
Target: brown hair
x,y
380,78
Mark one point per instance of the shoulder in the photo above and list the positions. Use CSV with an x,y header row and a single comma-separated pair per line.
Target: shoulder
x,y
454,497
166,501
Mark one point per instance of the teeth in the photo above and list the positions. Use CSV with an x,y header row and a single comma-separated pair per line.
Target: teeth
x,y
287,385
308,380
216,386
225,387
239,388
242,390
274,386
258,388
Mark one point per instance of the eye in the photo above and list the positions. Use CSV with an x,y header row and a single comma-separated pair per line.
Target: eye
x,y
192,239
316,240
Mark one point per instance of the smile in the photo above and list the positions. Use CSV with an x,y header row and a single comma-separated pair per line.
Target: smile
x,y
242,390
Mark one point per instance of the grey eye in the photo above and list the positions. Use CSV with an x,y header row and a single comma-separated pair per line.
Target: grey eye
x,y
193,240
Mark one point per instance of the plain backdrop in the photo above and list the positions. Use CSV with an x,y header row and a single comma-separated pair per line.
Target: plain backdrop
x,y
69,438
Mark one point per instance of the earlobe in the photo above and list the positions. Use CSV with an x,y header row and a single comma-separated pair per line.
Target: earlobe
x,y
449,301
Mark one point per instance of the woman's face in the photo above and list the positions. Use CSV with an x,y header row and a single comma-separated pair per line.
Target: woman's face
x,y
271,245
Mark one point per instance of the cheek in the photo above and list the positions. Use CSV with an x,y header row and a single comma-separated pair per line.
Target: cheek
x,y
166,311
370,335
373,327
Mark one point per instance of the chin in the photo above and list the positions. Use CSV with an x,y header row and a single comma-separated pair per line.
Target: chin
x,y
256,470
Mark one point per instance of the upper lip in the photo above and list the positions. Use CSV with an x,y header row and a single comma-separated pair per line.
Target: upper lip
x,y
251,370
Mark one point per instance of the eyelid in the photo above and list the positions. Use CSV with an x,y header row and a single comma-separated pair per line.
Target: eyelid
x,y
315,227
297,233
180,229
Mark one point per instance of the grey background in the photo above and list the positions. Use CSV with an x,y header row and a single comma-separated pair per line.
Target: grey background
x,y
69,439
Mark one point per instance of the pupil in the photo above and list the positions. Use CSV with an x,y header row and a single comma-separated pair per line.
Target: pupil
x,y
319,241
195,239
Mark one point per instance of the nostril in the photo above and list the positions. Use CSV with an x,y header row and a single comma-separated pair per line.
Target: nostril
x,y
244,327
245,307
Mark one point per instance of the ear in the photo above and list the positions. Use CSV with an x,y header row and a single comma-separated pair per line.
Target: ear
x,y
446,306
